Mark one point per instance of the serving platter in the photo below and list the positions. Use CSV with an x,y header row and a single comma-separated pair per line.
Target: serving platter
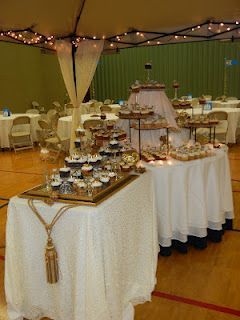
x,y
40,192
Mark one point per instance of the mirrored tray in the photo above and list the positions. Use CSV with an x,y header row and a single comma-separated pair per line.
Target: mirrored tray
x,y
40,192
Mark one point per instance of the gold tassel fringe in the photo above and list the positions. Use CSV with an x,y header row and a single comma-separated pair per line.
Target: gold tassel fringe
x,y
51,259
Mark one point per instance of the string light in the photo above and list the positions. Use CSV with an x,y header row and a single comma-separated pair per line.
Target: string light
x,y
94,37
228,29
237,22
221,24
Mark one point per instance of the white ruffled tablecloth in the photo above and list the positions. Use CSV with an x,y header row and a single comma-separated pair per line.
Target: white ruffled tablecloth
x,y
107,257
192,196
6,125
65,123
156,99
227,104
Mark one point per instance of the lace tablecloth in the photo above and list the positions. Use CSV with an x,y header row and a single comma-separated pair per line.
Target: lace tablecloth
x,y
107,257
6,125
192,196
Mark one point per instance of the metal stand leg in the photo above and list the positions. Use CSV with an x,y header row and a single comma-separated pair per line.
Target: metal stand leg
x,y
129,125
210,135
214,135
190,133
167,140
195,129
139,137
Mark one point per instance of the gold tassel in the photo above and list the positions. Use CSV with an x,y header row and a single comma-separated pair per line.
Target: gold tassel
x,y
51,259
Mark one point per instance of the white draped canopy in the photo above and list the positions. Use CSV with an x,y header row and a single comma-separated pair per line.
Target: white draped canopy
x,y
86,58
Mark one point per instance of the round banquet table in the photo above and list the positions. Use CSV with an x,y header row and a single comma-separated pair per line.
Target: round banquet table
x,y
6,124
64,123
192,196
227,104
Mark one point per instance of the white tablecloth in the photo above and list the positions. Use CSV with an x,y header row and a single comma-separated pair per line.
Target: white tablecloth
x,y
227,104
6,124
107,257
233,120
192,196
64,123
159,100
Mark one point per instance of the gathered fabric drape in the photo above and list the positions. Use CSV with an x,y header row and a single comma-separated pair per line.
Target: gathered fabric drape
x,y
86,60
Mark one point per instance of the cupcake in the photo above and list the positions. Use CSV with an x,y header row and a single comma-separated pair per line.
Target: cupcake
x,y
104,179
55,185
114,144
87,169
64,172
112,175
97,185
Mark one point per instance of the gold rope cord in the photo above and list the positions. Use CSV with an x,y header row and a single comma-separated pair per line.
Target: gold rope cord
x,y
51,257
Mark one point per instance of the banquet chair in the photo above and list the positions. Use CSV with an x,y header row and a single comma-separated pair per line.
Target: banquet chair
x,y
51,113
44,116
92,123
97,106
231,98
107,101
57,105
20,134
35,104
207,97
69,109
33,111
106,108
51,137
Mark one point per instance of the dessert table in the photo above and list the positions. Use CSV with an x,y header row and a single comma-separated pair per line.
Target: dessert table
x,y
64,123
6,124
227,104
107,257
192,196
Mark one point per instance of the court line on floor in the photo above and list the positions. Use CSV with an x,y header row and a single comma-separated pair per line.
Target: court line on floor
x,y
20,172
235,180
197,303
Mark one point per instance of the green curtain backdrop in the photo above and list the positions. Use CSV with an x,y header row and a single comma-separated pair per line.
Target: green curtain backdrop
x,y
199,68
28,74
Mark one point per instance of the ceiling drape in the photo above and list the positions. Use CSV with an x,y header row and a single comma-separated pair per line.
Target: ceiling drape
x,y
86,60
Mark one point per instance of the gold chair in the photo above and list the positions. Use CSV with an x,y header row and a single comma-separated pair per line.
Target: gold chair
x,y
106,108
51,138
231,98
51,113
20,134
33,111
108,101
92,123
69,109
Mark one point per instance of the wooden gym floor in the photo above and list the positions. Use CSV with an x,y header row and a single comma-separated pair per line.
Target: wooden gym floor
x,y
202,285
